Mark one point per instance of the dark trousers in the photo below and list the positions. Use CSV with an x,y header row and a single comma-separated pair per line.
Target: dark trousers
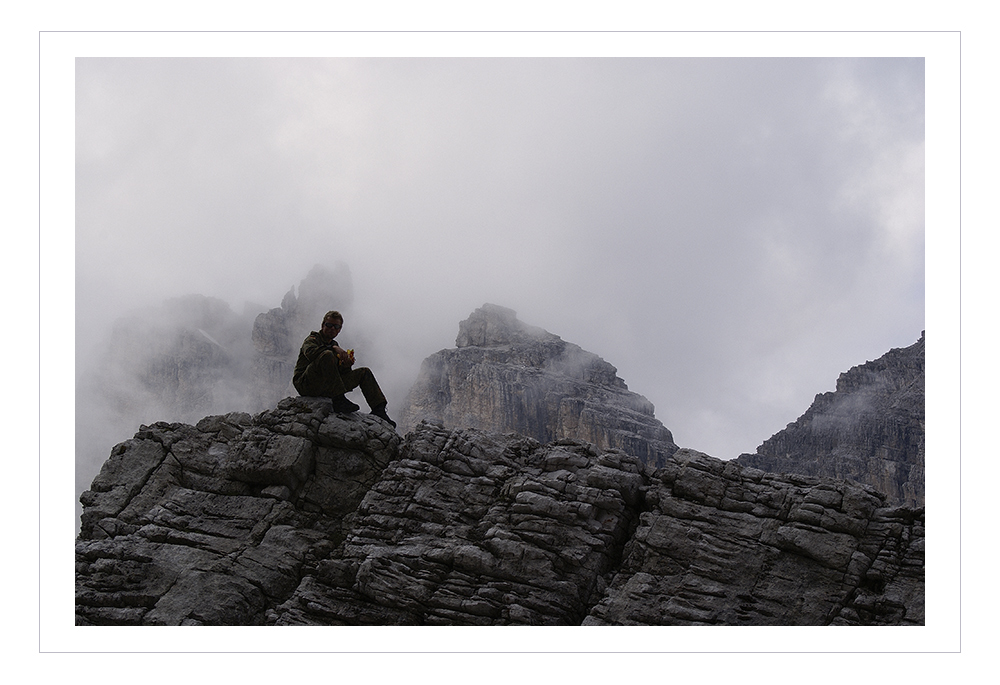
x,y
324,377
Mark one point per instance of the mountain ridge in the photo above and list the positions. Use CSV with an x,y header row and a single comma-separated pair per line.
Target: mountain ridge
x,y
301,516
870,429
298,515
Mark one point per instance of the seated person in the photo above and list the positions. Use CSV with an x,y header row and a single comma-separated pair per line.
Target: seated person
x,y
324,369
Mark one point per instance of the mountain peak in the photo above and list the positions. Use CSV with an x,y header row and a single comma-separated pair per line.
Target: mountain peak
x,y
507,376
492,325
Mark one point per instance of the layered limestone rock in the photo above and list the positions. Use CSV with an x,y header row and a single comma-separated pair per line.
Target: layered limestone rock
x,y
301,516
507,376
471,528
870,430
217,523
724,545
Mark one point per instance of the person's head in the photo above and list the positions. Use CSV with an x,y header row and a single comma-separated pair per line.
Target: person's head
x,y
332,323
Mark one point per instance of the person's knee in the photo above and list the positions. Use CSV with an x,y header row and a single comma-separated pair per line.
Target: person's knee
x,y
325,363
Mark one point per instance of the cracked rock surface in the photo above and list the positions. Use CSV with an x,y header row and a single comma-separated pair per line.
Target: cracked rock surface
x,y
301,516
219,522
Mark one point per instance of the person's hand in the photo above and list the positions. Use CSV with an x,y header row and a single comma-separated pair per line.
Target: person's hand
x,y
346,357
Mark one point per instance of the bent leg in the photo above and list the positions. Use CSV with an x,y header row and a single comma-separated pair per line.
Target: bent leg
x,y
369,386
322,377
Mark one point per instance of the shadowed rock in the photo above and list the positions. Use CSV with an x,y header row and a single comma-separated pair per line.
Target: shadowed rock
x,y
718,544
216,523
301,516
871,430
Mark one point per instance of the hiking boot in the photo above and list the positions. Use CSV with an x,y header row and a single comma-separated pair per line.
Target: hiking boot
x,y
342,405
380,412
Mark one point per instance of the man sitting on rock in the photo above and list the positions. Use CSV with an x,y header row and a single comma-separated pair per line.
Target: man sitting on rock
x,y
324,369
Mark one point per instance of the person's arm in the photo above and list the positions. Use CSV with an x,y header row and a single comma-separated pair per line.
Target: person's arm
x,y
313,346
345,356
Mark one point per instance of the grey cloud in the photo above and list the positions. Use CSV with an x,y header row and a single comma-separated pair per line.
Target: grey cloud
x,y
731,234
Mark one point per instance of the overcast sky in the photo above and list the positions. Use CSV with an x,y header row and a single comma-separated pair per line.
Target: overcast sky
x,y
731,234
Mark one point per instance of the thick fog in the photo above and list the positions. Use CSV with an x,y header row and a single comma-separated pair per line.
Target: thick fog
x,y
731,234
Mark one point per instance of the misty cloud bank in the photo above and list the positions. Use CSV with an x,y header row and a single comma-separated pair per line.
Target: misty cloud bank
x,y
731,234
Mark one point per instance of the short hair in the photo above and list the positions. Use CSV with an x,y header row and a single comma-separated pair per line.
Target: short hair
x,y
333,314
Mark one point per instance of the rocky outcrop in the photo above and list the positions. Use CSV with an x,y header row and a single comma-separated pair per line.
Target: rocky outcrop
x,y
217,523
179,360
723,545
471,528
870,430
507,376
193,356
301,516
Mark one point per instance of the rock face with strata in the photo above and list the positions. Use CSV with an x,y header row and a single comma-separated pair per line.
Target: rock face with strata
x,y
217,523
505,375
472,528
870,430
724,545
298,516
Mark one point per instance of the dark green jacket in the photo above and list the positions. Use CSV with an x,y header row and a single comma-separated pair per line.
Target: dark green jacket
x,y
312,346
